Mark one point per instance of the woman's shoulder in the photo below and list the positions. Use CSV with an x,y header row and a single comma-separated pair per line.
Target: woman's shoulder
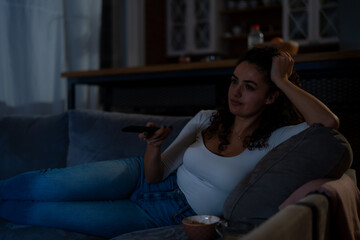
x,y
296,127
283,133
206,112
204,116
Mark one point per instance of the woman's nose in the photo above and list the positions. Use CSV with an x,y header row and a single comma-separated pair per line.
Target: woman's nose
x,y
238,90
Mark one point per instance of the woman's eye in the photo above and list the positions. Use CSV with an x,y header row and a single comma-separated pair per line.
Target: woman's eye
x,y
249,87
234,80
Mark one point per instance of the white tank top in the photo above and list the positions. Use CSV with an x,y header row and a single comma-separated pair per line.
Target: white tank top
x,y
205,178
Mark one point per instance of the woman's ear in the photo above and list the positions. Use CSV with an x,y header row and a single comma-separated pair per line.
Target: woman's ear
x,y
272,97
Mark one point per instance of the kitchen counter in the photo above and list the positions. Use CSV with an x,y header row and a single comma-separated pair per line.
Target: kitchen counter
x,y
213,72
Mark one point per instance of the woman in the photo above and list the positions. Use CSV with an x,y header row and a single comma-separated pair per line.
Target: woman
x,y
194,175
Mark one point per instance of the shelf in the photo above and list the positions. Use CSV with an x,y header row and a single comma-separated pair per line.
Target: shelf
x,y
244,36
234,37
268,17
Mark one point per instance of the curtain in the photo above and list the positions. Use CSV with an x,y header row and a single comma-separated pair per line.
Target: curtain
x,y
122,45
135,32
39,39
123,35
82,24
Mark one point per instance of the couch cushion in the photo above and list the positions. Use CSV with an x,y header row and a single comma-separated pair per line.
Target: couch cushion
x,y
174,232
97,136
31,143
316,152
13,231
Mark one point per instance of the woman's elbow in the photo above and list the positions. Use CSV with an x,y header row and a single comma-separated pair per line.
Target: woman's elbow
x,y
333,123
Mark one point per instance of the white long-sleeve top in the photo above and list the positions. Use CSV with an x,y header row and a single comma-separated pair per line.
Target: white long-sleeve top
x,y
205,178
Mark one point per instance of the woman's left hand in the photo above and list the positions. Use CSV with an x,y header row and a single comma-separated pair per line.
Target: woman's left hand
x,y
282,68
313,110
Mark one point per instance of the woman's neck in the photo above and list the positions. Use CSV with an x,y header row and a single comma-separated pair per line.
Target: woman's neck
x,y
244,127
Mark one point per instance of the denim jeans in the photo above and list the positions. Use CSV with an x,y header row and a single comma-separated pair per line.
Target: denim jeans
x,y
105,198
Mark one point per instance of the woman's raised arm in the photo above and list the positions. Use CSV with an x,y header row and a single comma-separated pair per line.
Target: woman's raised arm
x,y
313,110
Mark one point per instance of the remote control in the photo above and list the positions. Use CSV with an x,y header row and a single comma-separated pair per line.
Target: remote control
x,y
140,129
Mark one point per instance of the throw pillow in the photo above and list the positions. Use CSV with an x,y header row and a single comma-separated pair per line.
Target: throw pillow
x,y
316,152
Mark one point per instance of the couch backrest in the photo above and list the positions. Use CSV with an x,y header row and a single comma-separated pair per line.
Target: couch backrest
x,y
77,136
30,143
98,136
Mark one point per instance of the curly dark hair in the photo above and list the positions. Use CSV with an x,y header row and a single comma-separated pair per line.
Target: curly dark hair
x,y
281,113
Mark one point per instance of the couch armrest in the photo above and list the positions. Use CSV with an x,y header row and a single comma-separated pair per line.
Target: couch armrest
x,y
319,204
352,174
292,223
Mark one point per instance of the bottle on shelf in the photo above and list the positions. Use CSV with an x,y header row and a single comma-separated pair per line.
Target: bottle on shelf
x,y
255,36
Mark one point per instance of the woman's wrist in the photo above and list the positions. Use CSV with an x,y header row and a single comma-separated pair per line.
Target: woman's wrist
x,y
153,147
282,83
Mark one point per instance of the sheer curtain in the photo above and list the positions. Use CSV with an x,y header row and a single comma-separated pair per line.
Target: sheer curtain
x,y
135,10
123,37
39,39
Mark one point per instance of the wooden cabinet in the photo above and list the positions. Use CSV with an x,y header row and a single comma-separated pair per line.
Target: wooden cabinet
x,y
236,24
192,27
211,27
311,22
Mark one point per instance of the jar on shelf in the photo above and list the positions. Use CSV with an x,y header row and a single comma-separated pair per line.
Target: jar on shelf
x,y
255,36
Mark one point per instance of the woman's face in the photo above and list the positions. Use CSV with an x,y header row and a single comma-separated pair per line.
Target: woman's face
x,y
248,92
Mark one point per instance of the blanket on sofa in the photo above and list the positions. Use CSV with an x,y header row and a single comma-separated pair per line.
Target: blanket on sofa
x,y
344,199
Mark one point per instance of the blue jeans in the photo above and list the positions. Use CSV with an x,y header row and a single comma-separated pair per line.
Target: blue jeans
x,y
102,198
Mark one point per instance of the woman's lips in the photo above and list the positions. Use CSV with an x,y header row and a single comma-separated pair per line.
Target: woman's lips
x,y
235,103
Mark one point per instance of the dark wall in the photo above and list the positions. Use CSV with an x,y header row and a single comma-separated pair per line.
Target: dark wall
x,y
155,32
349,20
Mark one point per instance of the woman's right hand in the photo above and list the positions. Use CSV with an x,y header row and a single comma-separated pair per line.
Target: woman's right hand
x,y
154,168
157,138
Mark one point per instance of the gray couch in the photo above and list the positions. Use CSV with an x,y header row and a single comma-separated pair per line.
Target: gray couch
x,y
81,136
310,218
